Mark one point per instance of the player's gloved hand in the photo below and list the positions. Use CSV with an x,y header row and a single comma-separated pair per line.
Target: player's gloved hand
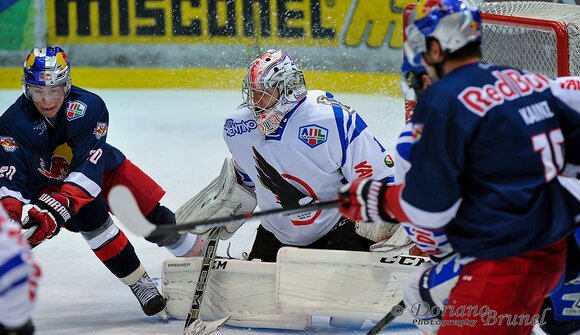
x,y
288,195
49,213
362,201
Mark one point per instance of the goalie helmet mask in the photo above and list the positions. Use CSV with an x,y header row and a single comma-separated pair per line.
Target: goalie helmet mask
x,y
454,23
46,67
273,86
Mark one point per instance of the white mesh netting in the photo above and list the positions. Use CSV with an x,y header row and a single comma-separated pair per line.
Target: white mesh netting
x,y
529,47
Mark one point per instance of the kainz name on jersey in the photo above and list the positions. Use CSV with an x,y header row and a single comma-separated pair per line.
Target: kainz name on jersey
x,y
313,135
244,126
510,85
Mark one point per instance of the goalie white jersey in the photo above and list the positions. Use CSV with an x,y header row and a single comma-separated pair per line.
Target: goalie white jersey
x,y
320,145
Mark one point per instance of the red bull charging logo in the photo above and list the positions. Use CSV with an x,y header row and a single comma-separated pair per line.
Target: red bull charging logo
x,y
8,144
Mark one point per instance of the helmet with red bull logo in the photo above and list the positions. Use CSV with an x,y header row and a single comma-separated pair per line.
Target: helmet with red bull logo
x,y
47,66
454,23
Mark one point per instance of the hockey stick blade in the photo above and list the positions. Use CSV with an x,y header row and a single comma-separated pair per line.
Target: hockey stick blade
x,y
399,308
125,207
199,327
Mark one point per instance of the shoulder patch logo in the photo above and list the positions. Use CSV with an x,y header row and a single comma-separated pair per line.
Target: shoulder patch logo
x,y
233,128
313,135
75,110
100,130
8,144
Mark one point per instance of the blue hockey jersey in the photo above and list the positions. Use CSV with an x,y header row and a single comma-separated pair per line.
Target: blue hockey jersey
x,y
489,145
70,150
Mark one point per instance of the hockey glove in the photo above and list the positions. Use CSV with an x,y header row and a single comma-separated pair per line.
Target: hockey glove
x,y
362,201
288,195
49,213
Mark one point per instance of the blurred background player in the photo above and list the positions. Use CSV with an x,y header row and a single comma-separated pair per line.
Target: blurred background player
x,y
19,277
495,229
54,147
293,146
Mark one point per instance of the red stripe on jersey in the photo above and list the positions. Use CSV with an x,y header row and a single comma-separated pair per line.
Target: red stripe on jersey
x,y
77,196
393,204
113,248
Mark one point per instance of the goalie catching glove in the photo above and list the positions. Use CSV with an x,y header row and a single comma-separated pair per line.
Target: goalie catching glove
x,y
49,213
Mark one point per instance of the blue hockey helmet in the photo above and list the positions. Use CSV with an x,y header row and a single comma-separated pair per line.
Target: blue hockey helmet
x,y
46,67
454,23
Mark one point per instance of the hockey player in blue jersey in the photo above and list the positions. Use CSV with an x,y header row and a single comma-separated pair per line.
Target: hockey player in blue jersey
x,y
496,147
54,156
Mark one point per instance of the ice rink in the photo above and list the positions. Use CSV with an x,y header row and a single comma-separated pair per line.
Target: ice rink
x,y
176,137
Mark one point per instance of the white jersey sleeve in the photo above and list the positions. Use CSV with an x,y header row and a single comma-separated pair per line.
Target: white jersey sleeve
x,y
18,275
363,155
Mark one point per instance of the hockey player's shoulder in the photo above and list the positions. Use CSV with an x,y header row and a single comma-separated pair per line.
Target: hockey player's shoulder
x,y
326,104
239,121
81,102
567,89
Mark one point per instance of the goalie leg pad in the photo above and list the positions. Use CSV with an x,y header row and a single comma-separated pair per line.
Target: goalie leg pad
x,y
240,289
345,284
222,197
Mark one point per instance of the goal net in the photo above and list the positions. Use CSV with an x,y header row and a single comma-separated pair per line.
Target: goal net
x,y
536,36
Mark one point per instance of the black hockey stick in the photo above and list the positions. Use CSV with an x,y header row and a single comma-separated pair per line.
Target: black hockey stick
x,y
395,311
125,207
194,325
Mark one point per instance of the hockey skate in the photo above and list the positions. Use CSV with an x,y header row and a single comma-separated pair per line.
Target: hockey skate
x,y
152,302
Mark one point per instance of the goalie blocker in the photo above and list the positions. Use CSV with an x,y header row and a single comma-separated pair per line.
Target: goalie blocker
x,y
222,197
345,285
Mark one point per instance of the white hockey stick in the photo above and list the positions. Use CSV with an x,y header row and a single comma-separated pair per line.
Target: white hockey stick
x,y
193,324
125,207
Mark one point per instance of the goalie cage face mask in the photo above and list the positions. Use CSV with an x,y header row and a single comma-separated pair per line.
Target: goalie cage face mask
x,y
272,87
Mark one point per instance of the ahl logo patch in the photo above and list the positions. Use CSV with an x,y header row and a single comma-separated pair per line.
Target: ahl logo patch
x,y
8,144
313,135
75,110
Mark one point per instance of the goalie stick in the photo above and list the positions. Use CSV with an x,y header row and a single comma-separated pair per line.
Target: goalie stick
x,y
125,207
391,315
194,325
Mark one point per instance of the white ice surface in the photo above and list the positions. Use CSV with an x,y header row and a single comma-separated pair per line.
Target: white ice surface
x,y
176,137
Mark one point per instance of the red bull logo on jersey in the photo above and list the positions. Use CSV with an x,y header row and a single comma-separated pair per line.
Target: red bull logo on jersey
x,y
313,135
100,130
75,110
59,163
510,85
58,168
8,144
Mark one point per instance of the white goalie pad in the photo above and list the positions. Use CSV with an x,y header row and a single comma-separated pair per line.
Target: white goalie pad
x,y
241,289
348,284
284,295
221,198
